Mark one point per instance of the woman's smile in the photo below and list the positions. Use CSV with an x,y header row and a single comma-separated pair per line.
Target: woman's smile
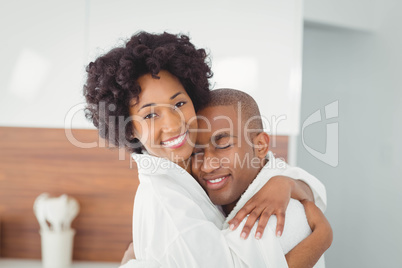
x,y
175,142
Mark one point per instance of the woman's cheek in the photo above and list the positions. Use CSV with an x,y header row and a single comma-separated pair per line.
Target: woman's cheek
x,y
142,133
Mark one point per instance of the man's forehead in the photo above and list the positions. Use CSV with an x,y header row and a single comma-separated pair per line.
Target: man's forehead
x,y
216,116
215,136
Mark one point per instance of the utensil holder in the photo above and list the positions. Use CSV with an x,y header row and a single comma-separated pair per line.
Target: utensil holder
x,y
57,248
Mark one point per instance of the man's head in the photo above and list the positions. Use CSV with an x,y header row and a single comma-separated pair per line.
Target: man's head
x,y
231,146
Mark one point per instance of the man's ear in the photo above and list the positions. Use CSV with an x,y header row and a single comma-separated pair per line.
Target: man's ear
x,y
261,144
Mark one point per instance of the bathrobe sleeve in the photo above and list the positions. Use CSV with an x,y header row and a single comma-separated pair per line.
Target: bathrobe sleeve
x,y
318,189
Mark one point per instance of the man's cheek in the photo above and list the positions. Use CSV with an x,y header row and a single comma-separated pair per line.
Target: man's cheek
x,y
196,163
226,161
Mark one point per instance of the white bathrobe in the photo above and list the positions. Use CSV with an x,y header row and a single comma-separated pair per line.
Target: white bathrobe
x,y
296,226
176,225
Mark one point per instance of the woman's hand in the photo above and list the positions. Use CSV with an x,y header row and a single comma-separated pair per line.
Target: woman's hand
x,y
272,199
128,254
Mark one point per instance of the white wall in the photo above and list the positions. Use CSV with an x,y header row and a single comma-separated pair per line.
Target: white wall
x,y
42,53
356,14
254,47
363,72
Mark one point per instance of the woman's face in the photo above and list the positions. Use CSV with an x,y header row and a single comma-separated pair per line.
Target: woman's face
x,y
164,118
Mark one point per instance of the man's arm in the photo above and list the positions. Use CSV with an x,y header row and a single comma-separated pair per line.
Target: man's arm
x,y
308,252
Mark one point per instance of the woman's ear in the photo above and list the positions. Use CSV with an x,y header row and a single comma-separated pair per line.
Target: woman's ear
x,y
261,144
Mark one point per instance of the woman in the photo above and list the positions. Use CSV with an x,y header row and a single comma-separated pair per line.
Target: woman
x,y
151,89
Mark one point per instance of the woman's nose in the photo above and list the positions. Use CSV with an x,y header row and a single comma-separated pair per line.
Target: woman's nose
x,y
173,120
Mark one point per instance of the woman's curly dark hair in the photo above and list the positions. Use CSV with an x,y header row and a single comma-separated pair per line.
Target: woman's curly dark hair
x,y
112,81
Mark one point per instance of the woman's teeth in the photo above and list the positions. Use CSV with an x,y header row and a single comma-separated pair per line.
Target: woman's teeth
x,y
216,180
175,141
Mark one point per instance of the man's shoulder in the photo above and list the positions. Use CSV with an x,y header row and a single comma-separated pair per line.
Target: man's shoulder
x,y
296,226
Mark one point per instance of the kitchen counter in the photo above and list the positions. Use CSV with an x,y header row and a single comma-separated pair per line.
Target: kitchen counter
x,y
24,263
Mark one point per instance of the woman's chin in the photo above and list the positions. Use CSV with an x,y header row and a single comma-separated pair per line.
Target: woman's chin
x,y
176,155
181,155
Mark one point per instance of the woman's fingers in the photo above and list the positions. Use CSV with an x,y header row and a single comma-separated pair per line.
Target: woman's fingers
x,y
240,215
280,224
260,214
262,223
252,218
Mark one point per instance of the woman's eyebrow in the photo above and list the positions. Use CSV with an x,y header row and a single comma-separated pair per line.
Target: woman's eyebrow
x,y
175,95
153,104
146,105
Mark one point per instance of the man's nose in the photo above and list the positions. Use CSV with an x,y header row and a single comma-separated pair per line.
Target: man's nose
x,y
210,163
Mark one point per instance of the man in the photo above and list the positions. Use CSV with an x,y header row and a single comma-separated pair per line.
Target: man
x,y
230,163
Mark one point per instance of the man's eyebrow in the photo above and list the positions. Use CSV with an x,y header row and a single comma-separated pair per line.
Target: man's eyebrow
x,y
153,104
222,135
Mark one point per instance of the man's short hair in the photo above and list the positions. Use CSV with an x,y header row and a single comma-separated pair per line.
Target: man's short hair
x,y
236,98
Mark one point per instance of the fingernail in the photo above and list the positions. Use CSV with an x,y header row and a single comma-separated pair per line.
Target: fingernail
x,y
278,234
243,235
258,236
231,227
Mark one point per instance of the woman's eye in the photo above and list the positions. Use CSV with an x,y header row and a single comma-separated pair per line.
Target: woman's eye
x,y
149,116
179,104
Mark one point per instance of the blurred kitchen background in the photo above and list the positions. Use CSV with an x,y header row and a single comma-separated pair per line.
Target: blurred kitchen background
x,y
332,67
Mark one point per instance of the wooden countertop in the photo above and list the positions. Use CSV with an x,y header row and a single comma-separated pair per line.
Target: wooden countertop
x,y
24,263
